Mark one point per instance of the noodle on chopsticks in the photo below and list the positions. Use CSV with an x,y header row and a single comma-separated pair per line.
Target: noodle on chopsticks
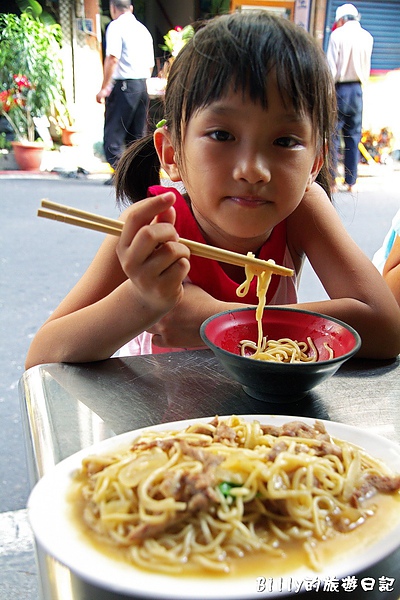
x,y
199,498
284,349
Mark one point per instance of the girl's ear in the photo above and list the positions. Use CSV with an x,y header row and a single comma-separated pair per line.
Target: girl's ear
x,y
166,153
317,165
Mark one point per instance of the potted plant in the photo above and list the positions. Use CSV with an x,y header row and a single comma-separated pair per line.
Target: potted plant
x,y
174,41
31,76
63,125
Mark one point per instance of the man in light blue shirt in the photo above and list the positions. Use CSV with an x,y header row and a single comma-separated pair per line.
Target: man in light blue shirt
x,y
128,63
349,57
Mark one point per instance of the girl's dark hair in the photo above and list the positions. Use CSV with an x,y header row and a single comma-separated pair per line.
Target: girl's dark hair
x,y
239,51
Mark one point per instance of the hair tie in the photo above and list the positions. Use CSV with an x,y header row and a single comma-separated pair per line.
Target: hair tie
x,y
161,123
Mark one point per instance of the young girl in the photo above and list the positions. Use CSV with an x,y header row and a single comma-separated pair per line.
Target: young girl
x,y
249,110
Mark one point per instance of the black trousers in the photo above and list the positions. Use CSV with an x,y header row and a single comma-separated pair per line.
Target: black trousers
x,y
125,117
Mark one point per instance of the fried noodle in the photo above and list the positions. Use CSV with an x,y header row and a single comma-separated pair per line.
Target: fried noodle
x,y
283,349
216,491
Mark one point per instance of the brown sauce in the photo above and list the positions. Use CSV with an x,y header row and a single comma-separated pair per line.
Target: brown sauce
x,y
386,516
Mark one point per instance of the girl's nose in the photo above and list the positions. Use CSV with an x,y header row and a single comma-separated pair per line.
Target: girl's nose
x,y
252,168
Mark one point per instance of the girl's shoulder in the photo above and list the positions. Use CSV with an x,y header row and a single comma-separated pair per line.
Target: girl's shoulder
x,y
315,202
314,218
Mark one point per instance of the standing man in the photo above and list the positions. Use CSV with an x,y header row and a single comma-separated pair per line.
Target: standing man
x,y
128,63
349,57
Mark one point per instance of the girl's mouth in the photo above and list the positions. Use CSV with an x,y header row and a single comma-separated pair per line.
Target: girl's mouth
x,y
248,201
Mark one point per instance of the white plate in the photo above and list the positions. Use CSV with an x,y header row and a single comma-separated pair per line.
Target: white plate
x,y
48,514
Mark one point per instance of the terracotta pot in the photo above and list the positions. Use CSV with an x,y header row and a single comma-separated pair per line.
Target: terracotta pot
x,y
69,137
28,155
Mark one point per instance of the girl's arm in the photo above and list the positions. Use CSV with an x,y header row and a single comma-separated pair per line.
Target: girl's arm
x,y
132,281
358,294
180,328
391,270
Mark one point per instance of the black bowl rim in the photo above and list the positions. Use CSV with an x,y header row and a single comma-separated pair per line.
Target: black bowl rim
x,y
304,365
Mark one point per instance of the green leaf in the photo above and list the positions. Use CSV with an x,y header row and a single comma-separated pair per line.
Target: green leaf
x,y
29,47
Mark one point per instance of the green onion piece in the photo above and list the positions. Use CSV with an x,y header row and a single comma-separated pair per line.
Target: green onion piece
x,y
226,486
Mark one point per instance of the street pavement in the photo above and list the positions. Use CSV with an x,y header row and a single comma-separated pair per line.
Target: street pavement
x,y
41,260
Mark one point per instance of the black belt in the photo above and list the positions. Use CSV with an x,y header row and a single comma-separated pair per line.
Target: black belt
x,y
347,82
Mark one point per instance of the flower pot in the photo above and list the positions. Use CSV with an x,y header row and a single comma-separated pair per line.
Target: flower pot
x,y
28,155
69,136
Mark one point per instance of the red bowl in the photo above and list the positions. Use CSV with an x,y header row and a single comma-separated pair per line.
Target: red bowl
x,y
273,381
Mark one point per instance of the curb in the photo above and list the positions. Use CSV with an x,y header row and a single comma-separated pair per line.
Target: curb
x,y
53,175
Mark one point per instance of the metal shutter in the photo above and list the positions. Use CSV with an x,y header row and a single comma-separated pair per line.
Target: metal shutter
x,y
382,20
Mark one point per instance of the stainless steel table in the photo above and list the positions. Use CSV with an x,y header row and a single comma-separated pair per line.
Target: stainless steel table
x,y
69,407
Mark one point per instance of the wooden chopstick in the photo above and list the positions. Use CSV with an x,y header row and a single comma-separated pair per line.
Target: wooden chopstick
x,y
82,218
234,258
82,214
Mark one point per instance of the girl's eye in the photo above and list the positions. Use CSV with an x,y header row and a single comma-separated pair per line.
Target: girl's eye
x,y
221,136
286,142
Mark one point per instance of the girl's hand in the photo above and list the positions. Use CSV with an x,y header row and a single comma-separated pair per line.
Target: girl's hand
x,y
130,284
150,254
180,328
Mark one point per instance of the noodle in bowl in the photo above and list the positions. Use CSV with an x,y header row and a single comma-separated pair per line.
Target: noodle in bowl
x,y
272,381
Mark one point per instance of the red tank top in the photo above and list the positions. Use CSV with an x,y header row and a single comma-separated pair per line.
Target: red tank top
x,y
208,274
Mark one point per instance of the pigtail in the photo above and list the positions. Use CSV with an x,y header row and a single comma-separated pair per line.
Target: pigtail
x,y
137,170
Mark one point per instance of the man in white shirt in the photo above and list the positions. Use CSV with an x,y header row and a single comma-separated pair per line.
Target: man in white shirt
x,y
128,63
349,57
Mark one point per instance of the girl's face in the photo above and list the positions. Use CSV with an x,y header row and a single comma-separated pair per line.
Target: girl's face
x,y
245,168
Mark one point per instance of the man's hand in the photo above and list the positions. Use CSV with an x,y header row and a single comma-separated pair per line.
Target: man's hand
x,y
102,95
110,64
